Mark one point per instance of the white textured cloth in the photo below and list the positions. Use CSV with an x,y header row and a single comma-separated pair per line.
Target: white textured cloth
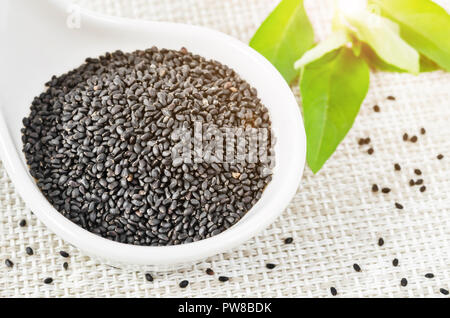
x,y
335,219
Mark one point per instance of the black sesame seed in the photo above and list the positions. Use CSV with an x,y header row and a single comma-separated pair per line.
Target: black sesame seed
x,y
376,108
270,266
405,137
29,251
48,280
148,277
66,265
404,282
391,98
380,241
184,284
64,254
411,182
9,263
397,167
22,223
419,182
398,206
288,240
429,275
209,272
423,188
356,267
374,188
223,279
413,139
333,291
418,172
395,262
440,157
386,190
444,291
364,141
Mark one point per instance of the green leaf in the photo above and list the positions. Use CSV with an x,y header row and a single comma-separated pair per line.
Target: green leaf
x,y
333,42
382,35
375,63
423,24
284,36
332,90
427,65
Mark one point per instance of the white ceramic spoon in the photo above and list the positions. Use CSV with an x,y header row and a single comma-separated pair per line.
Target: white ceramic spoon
x,y
36,43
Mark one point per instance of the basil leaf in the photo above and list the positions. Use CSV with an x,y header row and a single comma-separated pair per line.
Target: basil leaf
x,y
332,90
423,24
375,63
382,35
333,42
427,65
284,36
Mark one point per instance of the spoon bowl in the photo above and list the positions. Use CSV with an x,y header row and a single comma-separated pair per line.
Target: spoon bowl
x,y
38,42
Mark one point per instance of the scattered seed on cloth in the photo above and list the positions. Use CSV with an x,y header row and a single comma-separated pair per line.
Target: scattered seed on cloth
x,y
429,275
391,98
374,188
376,108
9,263
148,277
184,284
397,167
364,141
423,188
405,137
444,291
356,267
22,223
386,190
223,279
395,262
404,282
380,241
288,240
209,272
64,254
423,131
440,157
48,280
29,251
333,291
270,266
370,151
418,172
398,206
413,139
66,265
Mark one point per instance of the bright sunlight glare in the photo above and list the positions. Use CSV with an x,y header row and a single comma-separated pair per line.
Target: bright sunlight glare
x,y
349,7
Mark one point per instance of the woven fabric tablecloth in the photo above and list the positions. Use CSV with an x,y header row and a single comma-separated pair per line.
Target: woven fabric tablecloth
x,y
334,219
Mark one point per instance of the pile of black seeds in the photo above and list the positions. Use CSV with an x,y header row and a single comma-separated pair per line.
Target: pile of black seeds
x,y
98,142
